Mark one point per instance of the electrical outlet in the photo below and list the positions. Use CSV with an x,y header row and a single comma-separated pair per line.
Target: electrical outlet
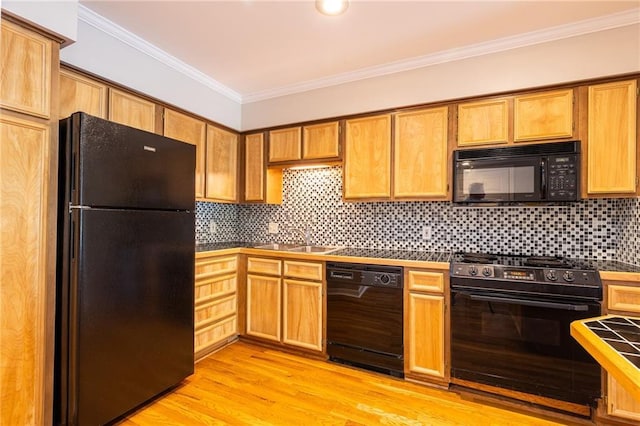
x,y
213,227
426,232
273,228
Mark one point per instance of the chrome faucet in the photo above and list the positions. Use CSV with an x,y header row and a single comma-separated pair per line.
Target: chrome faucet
x,y
306,234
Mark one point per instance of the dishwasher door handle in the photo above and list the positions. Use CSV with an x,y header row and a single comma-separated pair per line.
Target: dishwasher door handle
x,y
534,303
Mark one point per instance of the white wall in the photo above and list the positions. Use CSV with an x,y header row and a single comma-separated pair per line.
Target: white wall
x,y
104,55
605,53
57,17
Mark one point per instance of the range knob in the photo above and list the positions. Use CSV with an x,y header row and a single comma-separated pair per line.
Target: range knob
x,y
551,275
473,270
486,271
568,276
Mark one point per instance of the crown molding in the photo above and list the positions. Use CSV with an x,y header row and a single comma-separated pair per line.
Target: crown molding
x,y
621,19
108,27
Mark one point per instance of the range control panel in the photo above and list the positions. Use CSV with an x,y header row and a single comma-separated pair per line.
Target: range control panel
x,y
529,274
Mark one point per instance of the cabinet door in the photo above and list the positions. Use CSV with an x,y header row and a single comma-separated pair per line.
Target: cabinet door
x,y
426,334
78,93
484,122
264,307
25,68
24,184
547,115
131,110
367,163
285,145
254,167
190,130
611,144
620,403
420,154
221,165
321,141
302,303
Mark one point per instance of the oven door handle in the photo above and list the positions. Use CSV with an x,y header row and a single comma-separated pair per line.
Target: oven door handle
x,y
535,303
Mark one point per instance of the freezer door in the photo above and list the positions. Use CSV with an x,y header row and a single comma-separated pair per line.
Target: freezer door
x,y
130,310
119,166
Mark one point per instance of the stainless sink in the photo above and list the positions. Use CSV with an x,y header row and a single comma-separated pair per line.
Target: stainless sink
x,y
277,246
314,249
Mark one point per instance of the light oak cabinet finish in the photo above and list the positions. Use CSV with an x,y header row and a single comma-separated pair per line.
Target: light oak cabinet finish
x,y
622,298
221,165
612,140
285,301
193,131
260,184
425,325
321,141
285,144
420,165
216,304
367,163
78,93
546,115
131,110
25,70
483,122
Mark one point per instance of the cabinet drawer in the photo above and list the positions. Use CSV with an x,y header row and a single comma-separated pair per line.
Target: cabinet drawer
x,y
213,287
261,265
215,333
623,298
213,311
426,281
216,266
306,270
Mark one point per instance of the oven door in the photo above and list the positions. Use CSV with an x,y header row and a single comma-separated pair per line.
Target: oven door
x,y
522,345
498,180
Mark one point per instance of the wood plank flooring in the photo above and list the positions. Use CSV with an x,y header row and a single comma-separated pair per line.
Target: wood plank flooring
x,y
244,384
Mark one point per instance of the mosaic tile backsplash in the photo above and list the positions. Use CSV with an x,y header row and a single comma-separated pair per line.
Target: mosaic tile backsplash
x,y
607,229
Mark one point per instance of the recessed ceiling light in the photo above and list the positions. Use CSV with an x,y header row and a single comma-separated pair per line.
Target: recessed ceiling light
x,y
332,7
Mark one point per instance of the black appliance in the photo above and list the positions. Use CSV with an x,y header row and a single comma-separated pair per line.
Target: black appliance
x,y
510,318
548,172
124,308
364,316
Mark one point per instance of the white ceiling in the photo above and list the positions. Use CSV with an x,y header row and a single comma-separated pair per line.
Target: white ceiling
x,y
259,49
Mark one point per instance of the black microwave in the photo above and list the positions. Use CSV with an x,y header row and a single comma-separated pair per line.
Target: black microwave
x,y
547,172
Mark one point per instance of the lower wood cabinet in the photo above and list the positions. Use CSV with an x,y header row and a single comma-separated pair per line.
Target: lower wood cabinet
x,y
285,301
425,325
216,302
622,297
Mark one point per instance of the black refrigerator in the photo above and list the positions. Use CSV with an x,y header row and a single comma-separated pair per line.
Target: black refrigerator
x,y
125,269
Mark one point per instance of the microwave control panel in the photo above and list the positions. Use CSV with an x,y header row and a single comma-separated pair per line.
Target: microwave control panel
x,y
562,180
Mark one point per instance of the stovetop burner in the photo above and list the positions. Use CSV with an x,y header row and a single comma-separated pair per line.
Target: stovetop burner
x,y
548,262
521,260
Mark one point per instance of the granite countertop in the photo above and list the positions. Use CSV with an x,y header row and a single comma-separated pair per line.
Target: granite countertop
x,y
614,341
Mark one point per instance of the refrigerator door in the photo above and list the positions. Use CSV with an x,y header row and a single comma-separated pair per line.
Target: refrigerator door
x,y
118,166
130,316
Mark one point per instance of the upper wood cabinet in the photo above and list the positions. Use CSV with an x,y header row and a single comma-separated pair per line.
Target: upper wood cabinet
x,y
484,122
285,145
545,115
79,93
25,68
221,165
305,145
367,162
612,140
420,165
260,184
321,141
190,130
132,110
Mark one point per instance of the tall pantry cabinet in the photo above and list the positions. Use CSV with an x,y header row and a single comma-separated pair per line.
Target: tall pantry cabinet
x,y
28,176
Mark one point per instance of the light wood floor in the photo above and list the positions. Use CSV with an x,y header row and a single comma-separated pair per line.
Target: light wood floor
x,y
245,384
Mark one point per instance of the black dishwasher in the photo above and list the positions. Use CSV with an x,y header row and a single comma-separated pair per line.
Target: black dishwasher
x,y
364,316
